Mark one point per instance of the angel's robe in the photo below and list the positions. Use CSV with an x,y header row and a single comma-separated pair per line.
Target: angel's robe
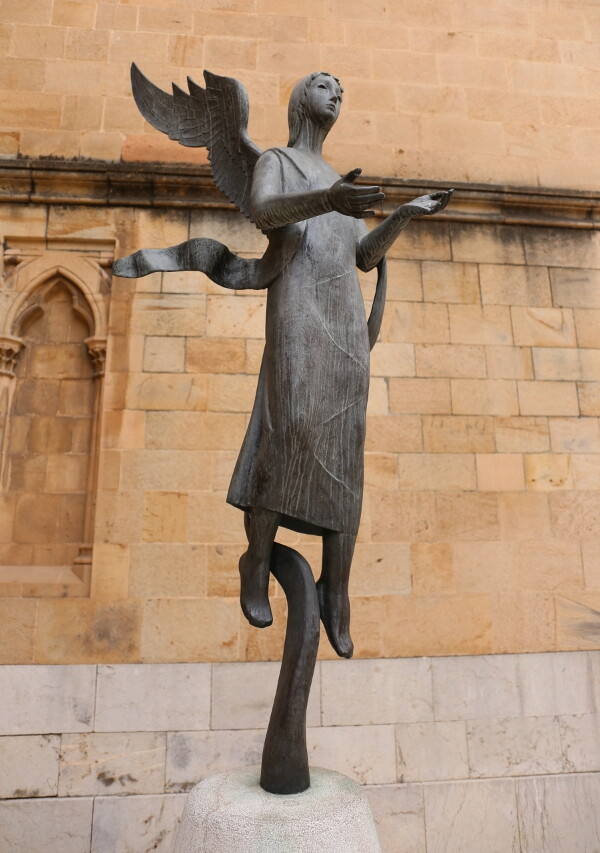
x,y
303,451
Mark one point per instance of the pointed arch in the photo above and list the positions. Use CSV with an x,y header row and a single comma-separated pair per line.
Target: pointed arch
x,y
54,333
33,275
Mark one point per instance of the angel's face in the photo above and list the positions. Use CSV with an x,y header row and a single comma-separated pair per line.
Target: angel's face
x,y
324,99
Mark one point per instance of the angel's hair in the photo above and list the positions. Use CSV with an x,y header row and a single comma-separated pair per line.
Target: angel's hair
x,y
297,105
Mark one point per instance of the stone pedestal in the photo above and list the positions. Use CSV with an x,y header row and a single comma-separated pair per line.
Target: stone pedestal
x,y
230,813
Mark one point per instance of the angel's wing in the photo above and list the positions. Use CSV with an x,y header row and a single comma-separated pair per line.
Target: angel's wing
x,y
215,118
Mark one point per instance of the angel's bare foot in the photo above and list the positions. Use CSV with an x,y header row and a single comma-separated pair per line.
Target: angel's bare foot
x,y
334,606
254,591
332,590
261,526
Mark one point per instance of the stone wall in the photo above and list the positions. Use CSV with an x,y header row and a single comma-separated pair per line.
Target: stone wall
x,y
482,511
49,440
503,92
460,755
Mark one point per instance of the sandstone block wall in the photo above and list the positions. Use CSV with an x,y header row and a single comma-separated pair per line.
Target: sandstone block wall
x,y
505,92
482,508
461,755
482,511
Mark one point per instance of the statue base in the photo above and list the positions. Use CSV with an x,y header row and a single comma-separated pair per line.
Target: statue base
x,y
231,813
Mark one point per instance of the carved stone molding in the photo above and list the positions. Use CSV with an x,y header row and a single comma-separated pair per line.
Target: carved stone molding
x,y
33,267
97,352
191,186
9,354
31,270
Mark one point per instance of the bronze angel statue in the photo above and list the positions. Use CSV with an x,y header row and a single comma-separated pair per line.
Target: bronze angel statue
x,y
301,462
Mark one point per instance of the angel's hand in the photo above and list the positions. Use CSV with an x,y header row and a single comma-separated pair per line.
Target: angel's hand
x,y
427,205
347,198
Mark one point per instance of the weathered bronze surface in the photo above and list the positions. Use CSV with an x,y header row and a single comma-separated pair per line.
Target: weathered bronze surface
x,y
285,757
301,463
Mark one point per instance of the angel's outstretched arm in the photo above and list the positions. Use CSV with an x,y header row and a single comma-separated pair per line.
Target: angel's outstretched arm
x,y
374,245
271,208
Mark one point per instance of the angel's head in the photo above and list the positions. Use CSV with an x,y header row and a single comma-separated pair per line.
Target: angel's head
x,y
315,98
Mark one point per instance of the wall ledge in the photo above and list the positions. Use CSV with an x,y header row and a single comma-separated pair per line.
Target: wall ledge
x,y
181,185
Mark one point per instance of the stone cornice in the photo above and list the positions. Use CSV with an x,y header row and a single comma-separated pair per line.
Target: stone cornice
x,y
191,186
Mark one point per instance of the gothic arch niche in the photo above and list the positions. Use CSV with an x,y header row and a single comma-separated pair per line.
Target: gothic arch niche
x,y
52,401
